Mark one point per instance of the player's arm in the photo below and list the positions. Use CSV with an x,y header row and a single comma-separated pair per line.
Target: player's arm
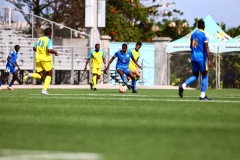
x,y
52,51
136,62
208,54
109,63
85,68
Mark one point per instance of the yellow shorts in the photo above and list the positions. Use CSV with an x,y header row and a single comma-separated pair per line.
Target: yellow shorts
x,y
132,68
97,71
44,66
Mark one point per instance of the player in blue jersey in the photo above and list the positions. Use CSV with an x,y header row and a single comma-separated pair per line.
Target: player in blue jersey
x,y
123,61
10,67
200,59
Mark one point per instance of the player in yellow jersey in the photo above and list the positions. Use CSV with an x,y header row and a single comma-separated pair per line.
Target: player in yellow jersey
x,y
132,66
43,48
97,57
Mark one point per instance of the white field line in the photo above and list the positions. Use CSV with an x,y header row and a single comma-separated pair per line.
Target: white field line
x,y
8,154
132,98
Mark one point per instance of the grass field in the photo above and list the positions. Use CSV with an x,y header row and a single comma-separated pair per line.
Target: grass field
x,y
150,125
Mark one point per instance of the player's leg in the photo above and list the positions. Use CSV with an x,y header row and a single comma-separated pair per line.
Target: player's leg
x,y
93,84
48,69
136,72
131,75
194,77
123,77
37,75
204,84
14,73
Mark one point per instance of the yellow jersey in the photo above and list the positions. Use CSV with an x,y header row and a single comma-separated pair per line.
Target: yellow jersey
x,y
136,56
42,45
97,58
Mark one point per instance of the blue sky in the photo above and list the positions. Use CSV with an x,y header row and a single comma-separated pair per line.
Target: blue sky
x,y
226,11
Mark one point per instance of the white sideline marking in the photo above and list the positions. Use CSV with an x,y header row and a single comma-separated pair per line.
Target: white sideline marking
x,y
135,99
8,154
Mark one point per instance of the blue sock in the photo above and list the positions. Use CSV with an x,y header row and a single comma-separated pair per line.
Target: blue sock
x,y
191,79
133,84
10,84
123,77
0,83
204,83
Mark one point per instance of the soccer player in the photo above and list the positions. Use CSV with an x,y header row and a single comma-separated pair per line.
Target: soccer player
x,y
97,57
10,67
200,59
43,48
124,57
132,66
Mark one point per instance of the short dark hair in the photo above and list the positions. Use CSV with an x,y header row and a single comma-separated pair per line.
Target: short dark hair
x,y
48,31
124,44
16,47
97,44
139,43
201,24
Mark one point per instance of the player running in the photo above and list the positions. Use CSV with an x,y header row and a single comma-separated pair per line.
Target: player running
x,y
132,66
97,57
124,57
43,48
10,67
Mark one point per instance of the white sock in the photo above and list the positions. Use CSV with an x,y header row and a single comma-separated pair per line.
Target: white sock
x,y
184,85
202,95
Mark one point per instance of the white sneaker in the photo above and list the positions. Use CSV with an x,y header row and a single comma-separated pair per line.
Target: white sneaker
x,y
25,78
44,92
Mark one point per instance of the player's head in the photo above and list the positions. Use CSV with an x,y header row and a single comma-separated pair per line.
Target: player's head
x,y
48,32
97,47
17,48
124,47
201,24
138,46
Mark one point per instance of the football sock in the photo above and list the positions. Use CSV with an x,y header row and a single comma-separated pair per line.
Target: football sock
x,y
202,95
47,82
184,85
10,84
123,77
34,75
1,83
204,83
133,84
191,79
94,81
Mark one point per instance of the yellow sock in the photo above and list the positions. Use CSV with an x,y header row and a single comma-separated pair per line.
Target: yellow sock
x,y
94,80
35,76
47,82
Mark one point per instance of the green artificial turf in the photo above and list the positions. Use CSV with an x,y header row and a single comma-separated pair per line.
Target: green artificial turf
x,y
150,125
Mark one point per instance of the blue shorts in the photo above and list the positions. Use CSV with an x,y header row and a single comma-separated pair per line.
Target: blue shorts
x,y
199,66
10,69
125,70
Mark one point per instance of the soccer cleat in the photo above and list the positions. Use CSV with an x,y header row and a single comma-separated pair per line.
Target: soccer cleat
x,y
91,85
180,91
205,98
25,78
95,89
10,88
129,87
44,92
134,91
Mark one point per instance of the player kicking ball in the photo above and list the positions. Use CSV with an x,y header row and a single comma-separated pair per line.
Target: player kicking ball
x,y
124,57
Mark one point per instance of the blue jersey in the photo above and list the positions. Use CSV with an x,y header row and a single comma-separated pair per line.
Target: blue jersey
x,y
13,58
123,58
198,38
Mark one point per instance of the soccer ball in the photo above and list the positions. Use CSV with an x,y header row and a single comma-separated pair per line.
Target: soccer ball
x,y
122,89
